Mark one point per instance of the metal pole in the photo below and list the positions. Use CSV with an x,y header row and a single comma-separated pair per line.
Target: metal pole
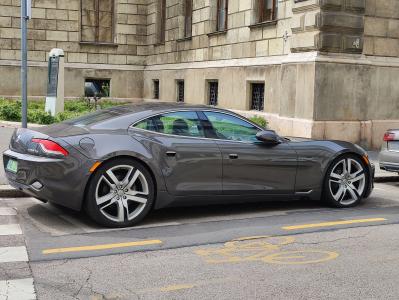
x,y
24,64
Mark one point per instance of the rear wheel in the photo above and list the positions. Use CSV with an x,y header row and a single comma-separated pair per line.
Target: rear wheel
x,y
345,183
120,194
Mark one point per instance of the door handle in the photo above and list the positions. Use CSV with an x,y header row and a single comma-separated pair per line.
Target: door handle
x,y
233,156
171,153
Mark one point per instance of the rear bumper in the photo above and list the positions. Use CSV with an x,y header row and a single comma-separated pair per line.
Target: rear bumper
x,y
62,181
389,161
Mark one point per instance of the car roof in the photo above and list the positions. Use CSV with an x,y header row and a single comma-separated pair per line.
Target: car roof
x,y
124,115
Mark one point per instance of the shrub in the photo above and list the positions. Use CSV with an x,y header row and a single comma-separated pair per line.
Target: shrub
x,y
261,121
66,115
10,110
40,117
76,106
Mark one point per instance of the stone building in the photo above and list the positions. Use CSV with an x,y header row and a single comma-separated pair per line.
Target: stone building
x,y
313,68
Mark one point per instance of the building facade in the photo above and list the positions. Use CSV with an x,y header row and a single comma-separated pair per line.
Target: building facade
x,y
313,68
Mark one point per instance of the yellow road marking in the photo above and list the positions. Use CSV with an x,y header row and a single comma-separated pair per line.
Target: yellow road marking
x,y
101,247
177,287
300,257
336,223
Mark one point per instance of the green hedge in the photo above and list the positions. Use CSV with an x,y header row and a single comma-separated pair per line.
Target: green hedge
x,y
10,110
261,121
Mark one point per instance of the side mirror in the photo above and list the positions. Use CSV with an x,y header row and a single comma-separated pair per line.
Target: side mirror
x,y
268,137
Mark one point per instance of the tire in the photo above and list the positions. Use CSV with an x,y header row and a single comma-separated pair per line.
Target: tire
x,y
346,182
120,194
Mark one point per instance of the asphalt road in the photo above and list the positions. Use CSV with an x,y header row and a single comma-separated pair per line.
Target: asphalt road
x,y
286,250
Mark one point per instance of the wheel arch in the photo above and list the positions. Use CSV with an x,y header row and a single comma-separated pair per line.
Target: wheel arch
x,y
142,162
338,156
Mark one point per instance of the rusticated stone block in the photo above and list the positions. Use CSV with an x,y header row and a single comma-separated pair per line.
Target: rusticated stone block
x,y
355,5
341,21
329,42
353,44
331,4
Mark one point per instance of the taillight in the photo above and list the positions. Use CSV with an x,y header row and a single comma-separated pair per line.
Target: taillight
x,y
50,147
389,136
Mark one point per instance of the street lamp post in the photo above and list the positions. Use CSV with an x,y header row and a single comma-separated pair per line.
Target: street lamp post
x,y
25,16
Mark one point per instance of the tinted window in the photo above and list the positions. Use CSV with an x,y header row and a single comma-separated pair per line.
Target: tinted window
x,y
177,123
228,127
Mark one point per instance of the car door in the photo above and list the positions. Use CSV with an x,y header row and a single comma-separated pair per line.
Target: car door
x,y
250,166
190,163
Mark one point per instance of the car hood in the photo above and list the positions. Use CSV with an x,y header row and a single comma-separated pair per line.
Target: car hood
x,y
338,145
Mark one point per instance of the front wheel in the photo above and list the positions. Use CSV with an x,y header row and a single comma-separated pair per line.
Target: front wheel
x,y
120,194
346,182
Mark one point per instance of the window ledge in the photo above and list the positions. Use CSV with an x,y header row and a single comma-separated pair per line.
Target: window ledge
x,y
217,32
98,44
188,38
264,24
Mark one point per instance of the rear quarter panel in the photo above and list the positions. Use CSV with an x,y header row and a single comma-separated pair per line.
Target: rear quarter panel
x,y
112,144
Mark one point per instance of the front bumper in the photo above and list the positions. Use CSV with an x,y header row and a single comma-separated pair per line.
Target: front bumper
x,y
62,181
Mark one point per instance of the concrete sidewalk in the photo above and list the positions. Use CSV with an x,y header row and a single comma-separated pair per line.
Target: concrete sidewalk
x,y
7,129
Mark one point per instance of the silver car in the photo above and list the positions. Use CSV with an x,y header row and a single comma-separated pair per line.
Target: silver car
x,y
389,155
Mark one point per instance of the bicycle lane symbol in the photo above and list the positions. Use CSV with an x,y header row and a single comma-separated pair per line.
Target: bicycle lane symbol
x,y
266,249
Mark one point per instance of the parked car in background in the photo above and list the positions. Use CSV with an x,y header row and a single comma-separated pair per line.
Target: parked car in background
x,y
389,155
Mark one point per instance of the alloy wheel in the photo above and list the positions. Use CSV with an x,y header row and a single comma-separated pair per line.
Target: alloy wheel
x,y
347,181
122,193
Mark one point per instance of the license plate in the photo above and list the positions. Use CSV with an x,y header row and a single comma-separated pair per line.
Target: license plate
x,y
12,165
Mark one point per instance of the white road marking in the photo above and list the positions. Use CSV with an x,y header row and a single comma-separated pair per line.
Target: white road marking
x,y
8,211
18,289
13,254
10,229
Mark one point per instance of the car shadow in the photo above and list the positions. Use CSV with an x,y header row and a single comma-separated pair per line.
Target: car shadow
x,y
59,220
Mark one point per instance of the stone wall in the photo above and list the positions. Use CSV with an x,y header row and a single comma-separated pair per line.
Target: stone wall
x,y
328,25
382,28
55,24
243,38
289,85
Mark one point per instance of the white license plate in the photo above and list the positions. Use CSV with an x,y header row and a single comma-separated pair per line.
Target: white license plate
x,y
12,165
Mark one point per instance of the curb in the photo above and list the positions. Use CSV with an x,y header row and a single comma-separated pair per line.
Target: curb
x,y
7,191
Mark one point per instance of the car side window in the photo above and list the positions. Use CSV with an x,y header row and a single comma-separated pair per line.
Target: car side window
x,y
228,127
184,123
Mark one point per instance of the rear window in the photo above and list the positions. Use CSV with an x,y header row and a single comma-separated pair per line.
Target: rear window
x,y
94,118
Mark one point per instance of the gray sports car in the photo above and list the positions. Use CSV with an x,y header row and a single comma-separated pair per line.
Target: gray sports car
x,y
121,162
